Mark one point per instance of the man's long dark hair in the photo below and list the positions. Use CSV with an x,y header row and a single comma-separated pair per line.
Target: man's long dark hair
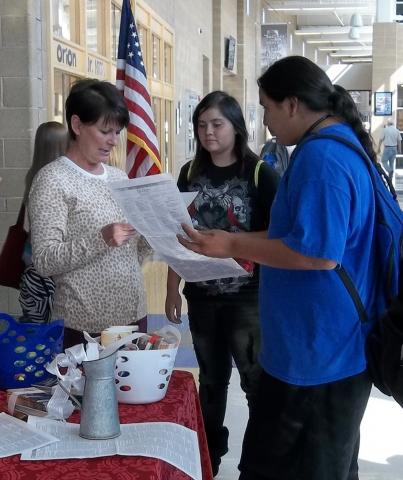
x,y
299,77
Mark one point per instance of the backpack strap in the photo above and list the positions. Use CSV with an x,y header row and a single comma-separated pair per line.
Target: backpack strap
x,y
189,171
340,270
256,174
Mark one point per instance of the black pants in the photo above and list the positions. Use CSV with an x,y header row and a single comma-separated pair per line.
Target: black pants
x,y
305,433
222,330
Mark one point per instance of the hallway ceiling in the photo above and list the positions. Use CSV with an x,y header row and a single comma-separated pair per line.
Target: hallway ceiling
x,y
325,25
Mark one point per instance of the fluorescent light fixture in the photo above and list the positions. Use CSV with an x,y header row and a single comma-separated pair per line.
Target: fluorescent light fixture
x,y
331,30
320,32
311,9
318,9
356,60
345,48
346,40
344,54
286,9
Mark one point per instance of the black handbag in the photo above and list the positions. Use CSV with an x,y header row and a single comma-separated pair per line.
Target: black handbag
x,y
11,263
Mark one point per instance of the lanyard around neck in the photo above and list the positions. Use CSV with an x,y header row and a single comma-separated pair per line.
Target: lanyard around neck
x,y
314,125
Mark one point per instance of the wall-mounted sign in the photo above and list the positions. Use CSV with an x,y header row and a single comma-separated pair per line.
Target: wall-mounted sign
x,y
68,58
383,103
95,67
66,55
274,43
229,57
77,62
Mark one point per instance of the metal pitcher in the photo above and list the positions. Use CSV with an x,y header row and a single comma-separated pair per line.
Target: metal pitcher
x,y
99,410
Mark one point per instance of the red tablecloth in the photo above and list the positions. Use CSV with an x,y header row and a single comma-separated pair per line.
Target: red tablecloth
x,y
180,405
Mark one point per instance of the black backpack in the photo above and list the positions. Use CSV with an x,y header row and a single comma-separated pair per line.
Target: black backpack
x,y
385,341
385,349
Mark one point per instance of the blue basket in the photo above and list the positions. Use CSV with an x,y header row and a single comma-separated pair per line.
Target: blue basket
x,y
25,349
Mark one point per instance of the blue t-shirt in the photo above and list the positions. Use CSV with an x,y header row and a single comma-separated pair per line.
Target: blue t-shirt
x,y
324,208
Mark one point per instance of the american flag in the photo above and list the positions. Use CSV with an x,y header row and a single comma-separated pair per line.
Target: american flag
x,y
143,156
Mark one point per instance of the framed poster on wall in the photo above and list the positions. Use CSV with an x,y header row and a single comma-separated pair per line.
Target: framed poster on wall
x,y
383,103
274,43
362,98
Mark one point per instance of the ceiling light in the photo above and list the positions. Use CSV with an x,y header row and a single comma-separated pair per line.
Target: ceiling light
x,y
356,23
345,48
356,60
286,9
334,30
318,9
310,9
356,20
346,40
344,54
319,32
354,33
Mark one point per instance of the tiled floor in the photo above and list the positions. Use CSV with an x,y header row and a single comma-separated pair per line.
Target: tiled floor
x,y
381,453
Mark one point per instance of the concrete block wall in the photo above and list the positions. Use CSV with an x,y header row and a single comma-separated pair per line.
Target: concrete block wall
x,y
194,62
23,48
233,81
218,47
230,26
193,26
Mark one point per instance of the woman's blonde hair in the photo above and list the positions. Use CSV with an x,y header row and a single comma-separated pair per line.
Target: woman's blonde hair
x,y
50,143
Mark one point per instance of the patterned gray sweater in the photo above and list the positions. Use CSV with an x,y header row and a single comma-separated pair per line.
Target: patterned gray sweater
x,y
96,286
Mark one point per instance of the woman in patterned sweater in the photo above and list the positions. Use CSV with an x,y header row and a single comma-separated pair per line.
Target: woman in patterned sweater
x,y
79,234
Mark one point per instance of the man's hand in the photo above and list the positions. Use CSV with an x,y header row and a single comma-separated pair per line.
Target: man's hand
x,y
211,243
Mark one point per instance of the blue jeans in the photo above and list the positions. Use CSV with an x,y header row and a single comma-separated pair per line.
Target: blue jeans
x,y
222,330
389,160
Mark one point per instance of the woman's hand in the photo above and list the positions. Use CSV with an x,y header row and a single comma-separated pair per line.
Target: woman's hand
x,y
117,234
173,306
173,301
211,243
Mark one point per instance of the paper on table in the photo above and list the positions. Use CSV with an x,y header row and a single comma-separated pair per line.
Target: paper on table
x,y
155,208
167,441
16,436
